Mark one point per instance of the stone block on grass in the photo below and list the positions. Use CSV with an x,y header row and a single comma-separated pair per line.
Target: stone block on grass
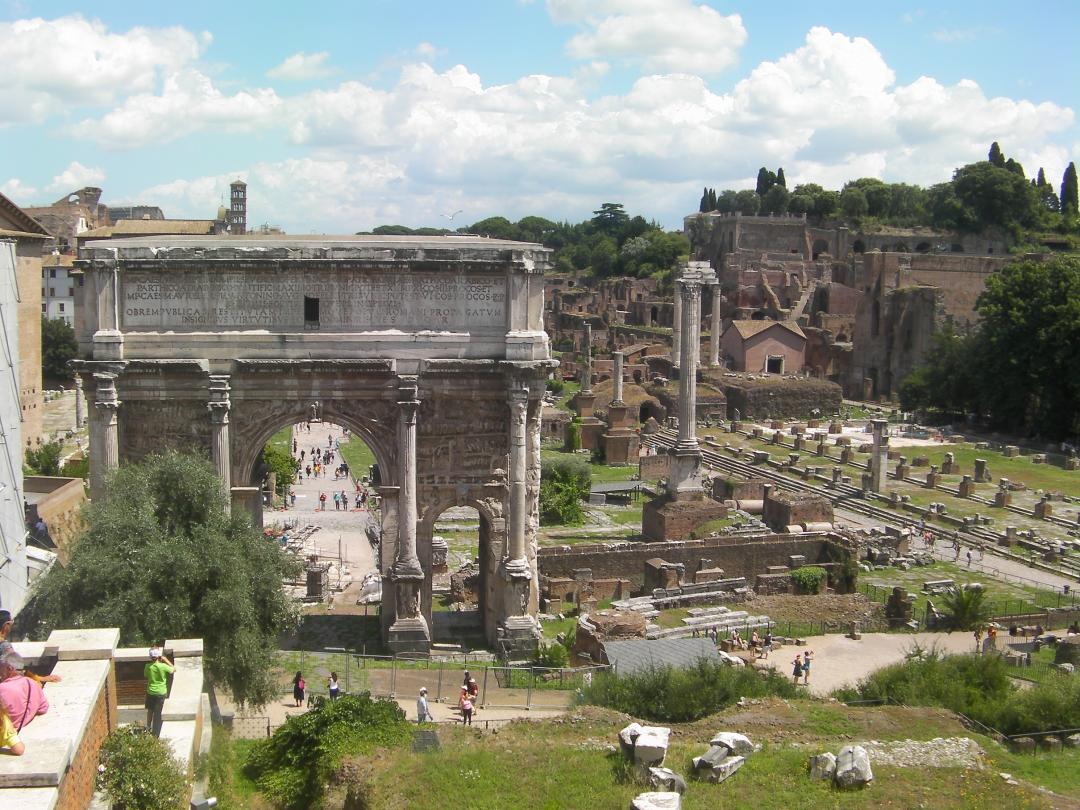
x,y
823,766
667,780
662,800
853,767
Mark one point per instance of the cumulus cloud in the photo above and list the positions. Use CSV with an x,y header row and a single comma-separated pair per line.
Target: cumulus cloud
x,y
659,35
52,65
302,66
188,102
76,176
16,190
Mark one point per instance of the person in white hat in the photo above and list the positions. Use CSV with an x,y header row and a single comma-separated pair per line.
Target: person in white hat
x,y
422,712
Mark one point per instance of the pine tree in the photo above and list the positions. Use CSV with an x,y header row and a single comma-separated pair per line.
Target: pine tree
x,y
765,181
1069,191
780,179
712,199
1041,181
703,206
996,157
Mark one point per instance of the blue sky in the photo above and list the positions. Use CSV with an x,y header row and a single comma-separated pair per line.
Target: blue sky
x,y
342,116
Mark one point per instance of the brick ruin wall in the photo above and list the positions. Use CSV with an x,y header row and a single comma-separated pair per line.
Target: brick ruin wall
x,y
738,557
781,399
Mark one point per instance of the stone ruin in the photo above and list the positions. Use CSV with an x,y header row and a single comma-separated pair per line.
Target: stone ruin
x,y
900,608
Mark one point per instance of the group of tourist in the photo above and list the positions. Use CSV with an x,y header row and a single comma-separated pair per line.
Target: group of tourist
x,y
467,700
22,693
988,643
760,645
300,690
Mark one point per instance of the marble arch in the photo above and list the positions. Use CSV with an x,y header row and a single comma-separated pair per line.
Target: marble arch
x,y
431,349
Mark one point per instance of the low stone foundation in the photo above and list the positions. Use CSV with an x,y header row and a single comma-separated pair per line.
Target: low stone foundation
x,y
667,519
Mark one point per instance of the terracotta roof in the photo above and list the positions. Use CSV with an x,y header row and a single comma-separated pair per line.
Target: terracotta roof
x,y
25,225
747,329
152,227
57,260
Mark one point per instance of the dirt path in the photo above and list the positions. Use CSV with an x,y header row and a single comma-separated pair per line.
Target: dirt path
x,y
840,661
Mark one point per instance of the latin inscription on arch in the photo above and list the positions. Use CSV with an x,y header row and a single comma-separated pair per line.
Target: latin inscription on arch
x,y
347,301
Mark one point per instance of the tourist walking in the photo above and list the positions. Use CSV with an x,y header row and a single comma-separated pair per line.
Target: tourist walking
x,y
807,655
766,646
423,714
322,501
337,502
796,671
333,687
157,674
466,710
299,686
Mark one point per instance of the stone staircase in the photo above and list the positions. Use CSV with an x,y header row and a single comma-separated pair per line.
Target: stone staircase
x,y
722,619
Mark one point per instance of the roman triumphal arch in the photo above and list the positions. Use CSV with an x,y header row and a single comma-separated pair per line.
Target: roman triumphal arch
x,y
431,349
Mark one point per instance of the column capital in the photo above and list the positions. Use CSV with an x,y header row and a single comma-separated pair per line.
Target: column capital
x,y
105,396
219,402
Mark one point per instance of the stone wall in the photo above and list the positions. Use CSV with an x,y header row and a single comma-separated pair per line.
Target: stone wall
x,y
57,501
737,556
653,468
28,268
785,508
780,398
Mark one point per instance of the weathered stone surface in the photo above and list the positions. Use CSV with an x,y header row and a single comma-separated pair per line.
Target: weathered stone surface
x,y
853,767
717,764
666,779
646,745
735,743
1073,741
1068,651
1024,745
731,660
656,801
823,766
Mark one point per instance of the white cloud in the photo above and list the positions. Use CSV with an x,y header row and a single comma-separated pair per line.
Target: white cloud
x,y
659,35
17,191
188,102
52,65
302,66
439,140
76,176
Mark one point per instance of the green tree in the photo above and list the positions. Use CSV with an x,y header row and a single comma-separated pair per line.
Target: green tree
x,y
160,558
138,771
1047,196
604,258
853,203
780,179
535,229
58,346
564,485
496,228
747,202
947,380
965,608
775,200
995,196
1029,332
727,202
280,461
1069,200
996,158
43,459
610,218
765,180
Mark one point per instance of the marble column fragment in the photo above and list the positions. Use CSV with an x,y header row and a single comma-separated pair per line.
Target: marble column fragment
x,y
104,434
219,405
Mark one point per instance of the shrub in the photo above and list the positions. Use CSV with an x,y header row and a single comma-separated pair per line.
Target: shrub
x,y
808,579
292,767
670,695
44,459
564,483
138,771
552,655
556,386
965,609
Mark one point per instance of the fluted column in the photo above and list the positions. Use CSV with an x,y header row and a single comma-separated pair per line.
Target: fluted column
x,y
676,328
517,564
219,405
79,403
690,293
617,375
714,328
586,361
406,563
104,434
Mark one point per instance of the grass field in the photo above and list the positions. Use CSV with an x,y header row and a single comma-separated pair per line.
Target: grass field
x,y
357,455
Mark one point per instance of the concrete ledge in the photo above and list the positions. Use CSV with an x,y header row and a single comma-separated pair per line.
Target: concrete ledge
x,y
180,735
81,645
31,651
31,798
184,647
43,765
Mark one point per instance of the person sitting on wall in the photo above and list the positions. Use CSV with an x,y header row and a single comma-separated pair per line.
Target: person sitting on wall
x,y
21,700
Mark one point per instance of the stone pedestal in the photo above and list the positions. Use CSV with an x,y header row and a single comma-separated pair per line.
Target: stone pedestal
x,y
822,448
879,454
948,465
250,500
903,469
665,518
582,403
1011,451
836,427
845,455
798,443
982,472
967,487
1002,498
933,478
1044,510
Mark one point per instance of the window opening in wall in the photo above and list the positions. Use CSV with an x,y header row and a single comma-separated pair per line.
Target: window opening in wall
x,y
311,313
775,364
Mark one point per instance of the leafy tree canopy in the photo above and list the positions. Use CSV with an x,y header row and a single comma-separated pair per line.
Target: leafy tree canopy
x,y
161,559
58,346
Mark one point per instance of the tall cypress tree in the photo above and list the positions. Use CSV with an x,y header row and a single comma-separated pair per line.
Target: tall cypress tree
x,y
1069,191
703,205
996,156
780,179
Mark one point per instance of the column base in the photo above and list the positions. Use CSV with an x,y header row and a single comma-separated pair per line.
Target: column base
x,y
519,637
684,479
409,636
665,518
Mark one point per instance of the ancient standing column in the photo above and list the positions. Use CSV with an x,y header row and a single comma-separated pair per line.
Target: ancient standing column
x,y
586,361
517,564
218,406
676,328
79,404
690,293
104,434
714,353
880,453
406,563
616,377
